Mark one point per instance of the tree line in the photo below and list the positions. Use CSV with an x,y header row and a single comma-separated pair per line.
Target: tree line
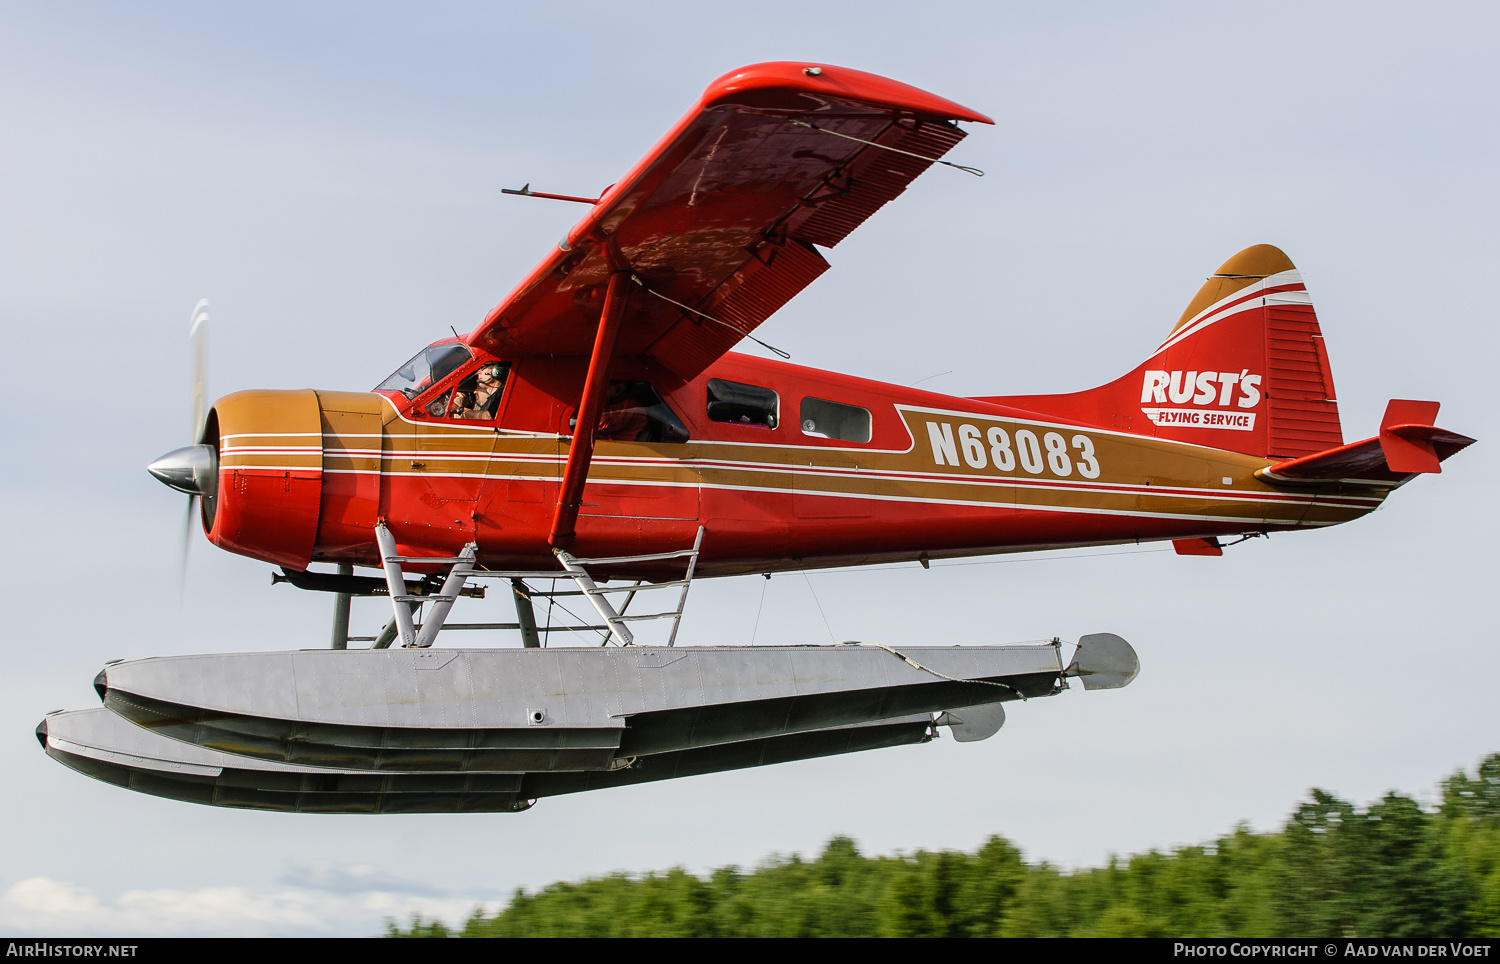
x,y
1392,869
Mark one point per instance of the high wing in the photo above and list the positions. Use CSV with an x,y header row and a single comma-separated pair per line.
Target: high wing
x,y
724,214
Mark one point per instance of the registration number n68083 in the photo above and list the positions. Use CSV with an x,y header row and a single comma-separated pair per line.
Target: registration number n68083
x,y
997,448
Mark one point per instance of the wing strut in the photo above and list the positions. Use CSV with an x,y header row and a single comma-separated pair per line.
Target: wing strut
x,y
581,451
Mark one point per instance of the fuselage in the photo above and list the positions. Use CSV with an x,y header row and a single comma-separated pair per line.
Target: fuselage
x,y
800,468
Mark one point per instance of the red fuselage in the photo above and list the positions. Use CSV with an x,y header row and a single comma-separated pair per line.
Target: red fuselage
x,y
304,476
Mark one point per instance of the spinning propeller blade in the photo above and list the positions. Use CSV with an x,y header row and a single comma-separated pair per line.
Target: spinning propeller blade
x,y
198,347
187,543
194,468
198,350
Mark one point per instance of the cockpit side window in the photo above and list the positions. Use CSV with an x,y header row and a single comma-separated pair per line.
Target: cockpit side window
x,y
477,396
742,404
430,366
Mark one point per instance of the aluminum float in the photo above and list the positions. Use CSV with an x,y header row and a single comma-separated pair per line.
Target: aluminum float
x,y
101,745
416,730
555,708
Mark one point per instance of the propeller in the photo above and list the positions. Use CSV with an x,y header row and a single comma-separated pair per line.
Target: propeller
x,y
198,348
193,469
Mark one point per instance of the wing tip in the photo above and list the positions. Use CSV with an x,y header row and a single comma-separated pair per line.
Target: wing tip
x,y
796,78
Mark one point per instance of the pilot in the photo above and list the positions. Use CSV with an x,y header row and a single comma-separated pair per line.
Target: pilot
x,y
482,402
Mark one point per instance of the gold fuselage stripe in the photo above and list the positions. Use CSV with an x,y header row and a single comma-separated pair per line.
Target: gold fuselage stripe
x,y
1135,476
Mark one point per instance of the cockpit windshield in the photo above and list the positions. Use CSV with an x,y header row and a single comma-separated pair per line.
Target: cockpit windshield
x,y
430,366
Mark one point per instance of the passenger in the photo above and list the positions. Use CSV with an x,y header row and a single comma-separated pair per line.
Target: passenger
x,y
623,419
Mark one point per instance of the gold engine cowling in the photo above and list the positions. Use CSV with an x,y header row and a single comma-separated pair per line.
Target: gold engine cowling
x,y
270,448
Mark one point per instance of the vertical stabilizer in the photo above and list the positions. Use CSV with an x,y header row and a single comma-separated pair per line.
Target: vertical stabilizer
x,y
1244,369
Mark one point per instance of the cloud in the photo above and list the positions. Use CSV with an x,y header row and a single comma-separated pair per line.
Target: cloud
x,y
43,906
355,879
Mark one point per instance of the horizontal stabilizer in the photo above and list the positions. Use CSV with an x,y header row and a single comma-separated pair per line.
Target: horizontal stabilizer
x,y
1407,436
1408,444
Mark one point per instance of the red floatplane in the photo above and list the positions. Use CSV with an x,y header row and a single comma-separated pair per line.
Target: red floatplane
x,y
597,428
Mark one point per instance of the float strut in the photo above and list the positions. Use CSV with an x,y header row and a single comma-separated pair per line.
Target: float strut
x,y
341,612
396,583
525,615
388,634
444,601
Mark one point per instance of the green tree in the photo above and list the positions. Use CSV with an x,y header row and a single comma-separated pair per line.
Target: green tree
x,y
1040,907
1122,920
1398,881
1470,816
988,888
1309,898
1391,870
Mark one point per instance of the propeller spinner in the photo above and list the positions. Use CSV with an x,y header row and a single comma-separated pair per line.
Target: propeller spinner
x,y
192,469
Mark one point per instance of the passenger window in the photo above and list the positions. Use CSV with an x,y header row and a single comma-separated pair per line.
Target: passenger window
x,y
634,412
824,419
742,404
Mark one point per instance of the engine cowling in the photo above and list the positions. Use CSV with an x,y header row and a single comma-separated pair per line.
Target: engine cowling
x,y
270,453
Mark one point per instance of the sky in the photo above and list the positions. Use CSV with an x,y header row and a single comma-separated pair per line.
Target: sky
x,y
328,175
